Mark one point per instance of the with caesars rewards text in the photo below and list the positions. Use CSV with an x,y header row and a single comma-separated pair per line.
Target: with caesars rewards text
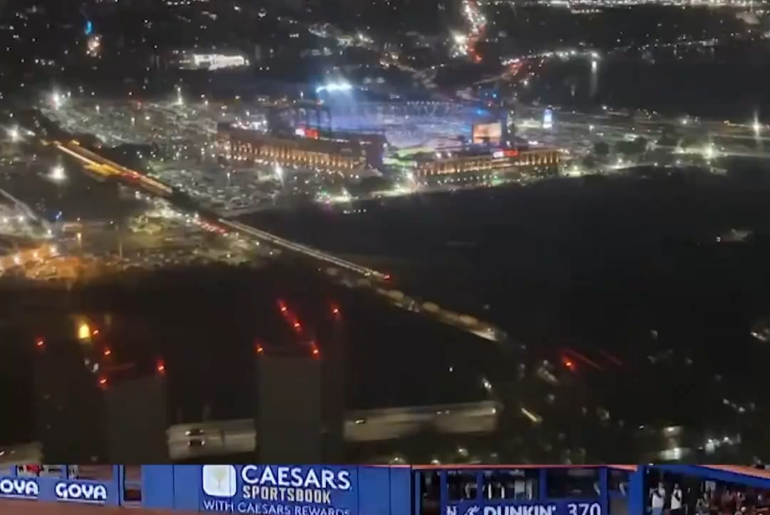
x,y
272,489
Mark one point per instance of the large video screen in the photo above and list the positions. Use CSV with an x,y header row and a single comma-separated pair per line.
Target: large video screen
x,y
487,133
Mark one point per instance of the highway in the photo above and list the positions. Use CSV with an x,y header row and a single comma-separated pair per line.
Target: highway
x,y
109,169
286,244
114,171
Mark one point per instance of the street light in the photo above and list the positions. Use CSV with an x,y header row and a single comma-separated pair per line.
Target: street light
x,y
14,134
57,173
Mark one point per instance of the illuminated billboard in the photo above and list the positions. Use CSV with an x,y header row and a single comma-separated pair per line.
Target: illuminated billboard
x,y
284,490
213,61
487,133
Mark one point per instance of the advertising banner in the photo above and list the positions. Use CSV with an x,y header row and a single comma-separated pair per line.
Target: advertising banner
x,y
280,490
512,507
60,490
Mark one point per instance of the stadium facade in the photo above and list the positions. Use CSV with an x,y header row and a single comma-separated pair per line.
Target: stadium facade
x,y
348,154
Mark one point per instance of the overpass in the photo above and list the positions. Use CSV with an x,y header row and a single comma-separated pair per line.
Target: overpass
x,y
114,171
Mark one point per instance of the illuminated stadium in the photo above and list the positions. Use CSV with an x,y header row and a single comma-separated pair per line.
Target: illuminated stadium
x,y
432,143
440,143
410,125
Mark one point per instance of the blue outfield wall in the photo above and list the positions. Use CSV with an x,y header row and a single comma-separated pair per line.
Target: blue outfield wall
x,y
248,489
340,490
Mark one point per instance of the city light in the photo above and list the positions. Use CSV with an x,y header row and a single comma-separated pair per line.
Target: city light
x,y
84,331
56,100
58,174
13,133
334,87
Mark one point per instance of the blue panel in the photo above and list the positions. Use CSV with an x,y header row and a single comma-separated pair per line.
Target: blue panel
x,y
374,490
187,486
603,490
400,490
158,486
417,492
59,490
636,494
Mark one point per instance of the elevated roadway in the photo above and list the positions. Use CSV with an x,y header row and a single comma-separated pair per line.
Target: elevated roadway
x,y
114,171
109,169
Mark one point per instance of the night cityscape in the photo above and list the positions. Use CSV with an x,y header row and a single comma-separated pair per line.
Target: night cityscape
x,y
389,232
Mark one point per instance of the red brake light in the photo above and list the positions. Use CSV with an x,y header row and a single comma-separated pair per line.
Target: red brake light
x,y
160,367
102,382
39,342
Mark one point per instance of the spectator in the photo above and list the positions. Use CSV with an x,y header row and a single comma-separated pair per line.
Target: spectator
x,y
703,505
676,500
658,499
